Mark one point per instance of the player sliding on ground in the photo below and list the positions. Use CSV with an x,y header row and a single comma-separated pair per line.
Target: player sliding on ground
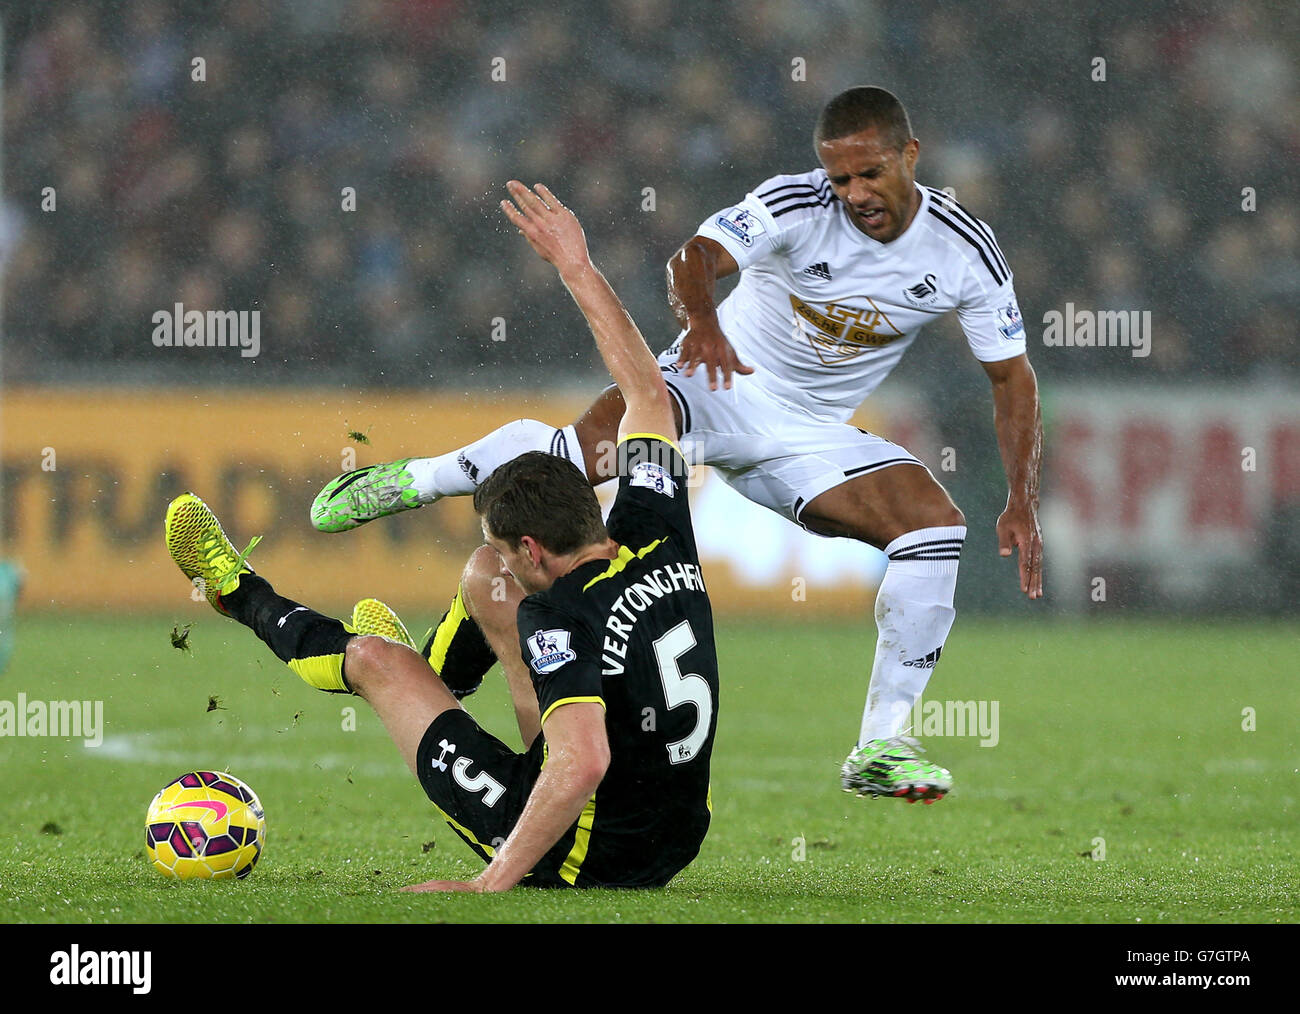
x,y
841,267
612,669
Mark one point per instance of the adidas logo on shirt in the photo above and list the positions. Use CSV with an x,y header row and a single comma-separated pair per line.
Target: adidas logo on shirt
x,y
820,270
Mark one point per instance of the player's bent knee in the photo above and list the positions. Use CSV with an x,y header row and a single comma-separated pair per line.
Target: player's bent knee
x,y
371,661
484,580
952,518
483,564
911,521
933,509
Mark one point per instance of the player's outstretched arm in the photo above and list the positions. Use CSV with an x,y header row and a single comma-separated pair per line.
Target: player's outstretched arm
x,y
1019,423
555,233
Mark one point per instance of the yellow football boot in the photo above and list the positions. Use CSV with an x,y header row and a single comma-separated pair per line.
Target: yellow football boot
x,y
202,551
370,616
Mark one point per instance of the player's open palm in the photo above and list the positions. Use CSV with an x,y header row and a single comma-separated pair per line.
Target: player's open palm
x,y
550,228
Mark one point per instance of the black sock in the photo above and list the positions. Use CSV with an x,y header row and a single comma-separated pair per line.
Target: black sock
x,y
290,629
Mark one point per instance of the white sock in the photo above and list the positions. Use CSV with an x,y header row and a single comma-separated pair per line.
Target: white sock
x,y
913,616
459,472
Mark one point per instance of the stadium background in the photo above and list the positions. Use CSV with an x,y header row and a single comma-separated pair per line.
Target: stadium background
x,y
421,321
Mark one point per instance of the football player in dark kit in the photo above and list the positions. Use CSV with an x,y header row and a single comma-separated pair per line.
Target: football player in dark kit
x,y
605,635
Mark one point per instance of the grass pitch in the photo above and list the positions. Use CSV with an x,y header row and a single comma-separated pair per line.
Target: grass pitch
x,y
1122,788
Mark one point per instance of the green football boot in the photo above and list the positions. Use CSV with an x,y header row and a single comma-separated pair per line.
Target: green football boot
x,y
355,497
893,767
201,550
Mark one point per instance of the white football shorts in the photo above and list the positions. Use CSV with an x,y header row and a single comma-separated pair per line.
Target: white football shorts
x,y
769,451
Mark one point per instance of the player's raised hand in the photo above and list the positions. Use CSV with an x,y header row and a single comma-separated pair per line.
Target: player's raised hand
x,y
550,228
705,345
1018,527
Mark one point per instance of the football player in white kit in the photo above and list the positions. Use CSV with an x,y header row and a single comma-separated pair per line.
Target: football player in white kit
x,y
841,267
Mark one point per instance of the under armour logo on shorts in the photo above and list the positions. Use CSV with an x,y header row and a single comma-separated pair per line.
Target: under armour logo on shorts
x,y
447,748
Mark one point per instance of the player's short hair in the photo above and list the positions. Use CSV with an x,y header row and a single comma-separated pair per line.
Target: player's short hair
x,y
544,496
860,109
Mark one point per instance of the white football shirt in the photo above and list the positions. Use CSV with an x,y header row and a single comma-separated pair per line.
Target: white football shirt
x,y
823,312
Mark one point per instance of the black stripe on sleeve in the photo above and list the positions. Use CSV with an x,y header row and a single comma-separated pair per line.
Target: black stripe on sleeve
x,y
774,198
964,216
993,269
823,202
789,186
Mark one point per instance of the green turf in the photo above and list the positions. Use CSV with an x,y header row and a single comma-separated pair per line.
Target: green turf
x,y
1129,733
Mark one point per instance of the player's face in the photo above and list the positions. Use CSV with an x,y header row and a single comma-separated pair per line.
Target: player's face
x,y
876,182
518,563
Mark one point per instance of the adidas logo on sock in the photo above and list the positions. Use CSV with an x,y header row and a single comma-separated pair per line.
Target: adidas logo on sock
x,y
468,467
929,662
821,270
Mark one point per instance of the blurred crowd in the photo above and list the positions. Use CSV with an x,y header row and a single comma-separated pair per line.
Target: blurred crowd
x,y
337,166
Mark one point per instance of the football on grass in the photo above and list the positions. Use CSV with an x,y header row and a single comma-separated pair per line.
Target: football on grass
x,y
205,825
